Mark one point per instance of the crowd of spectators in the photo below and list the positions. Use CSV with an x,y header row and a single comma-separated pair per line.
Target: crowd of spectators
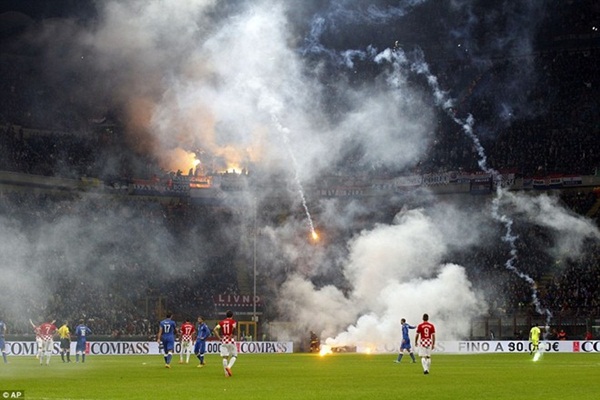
x,y
116,283
575,290
552,129
122,290
565,284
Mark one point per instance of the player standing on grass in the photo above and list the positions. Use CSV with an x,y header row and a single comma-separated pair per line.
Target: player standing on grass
x,y
203,332
225,331
2,342
534,339
65,342
405,345
38,339
166,337
425,339
47,332
81,332
186,331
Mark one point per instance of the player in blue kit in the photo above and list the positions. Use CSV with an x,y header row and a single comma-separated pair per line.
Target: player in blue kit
x,y
200,347
2,342
81,332
166,337
405,345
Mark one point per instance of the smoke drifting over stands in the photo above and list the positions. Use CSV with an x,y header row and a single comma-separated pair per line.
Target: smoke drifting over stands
x,y
283,117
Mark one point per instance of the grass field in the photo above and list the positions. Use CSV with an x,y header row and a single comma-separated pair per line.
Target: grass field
x,y
309,376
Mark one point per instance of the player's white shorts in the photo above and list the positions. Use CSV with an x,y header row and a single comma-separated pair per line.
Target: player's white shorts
x,y
425,351
186,346
228,349
47,345
40,343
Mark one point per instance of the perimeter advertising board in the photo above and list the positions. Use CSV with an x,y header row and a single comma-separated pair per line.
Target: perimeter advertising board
x,y
495,346
20,348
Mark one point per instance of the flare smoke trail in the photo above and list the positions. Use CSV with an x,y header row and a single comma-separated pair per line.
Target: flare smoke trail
x,y
284,132
421,67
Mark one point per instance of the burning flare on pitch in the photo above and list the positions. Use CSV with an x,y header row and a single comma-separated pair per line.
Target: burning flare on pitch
x,y
325,350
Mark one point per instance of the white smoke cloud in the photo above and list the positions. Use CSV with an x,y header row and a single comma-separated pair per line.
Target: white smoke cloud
x,y
394,271
570,230
187,77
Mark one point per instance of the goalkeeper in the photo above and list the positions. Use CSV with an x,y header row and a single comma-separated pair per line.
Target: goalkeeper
x,y
534,339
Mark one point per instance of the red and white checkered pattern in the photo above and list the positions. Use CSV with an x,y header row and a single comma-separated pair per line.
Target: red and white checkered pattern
x,y
227,340
425,342
187,331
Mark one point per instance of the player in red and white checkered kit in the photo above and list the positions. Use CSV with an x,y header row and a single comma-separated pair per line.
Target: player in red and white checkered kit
x,y
47,331
225,331
186,332
425,339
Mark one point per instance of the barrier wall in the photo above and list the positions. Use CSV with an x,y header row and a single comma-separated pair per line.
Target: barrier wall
x,y
19,348
496,346
24,348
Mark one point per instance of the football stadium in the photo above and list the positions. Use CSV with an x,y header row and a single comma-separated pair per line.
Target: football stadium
x,y
319,199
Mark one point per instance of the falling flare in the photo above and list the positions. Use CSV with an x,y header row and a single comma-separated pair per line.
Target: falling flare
x,y
285,132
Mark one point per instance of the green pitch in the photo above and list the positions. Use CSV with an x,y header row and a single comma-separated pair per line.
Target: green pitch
x,y
309,376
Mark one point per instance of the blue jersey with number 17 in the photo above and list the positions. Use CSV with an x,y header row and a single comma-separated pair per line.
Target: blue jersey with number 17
x,y
168,327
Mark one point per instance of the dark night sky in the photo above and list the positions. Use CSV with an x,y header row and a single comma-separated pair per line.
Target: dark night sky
x,y
470,33
40,9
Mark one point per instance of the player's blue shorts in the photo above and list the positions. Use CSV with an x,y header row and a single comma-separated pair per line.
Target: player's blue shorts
x,y
200,347
405,345
168,344
80,346
2,343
